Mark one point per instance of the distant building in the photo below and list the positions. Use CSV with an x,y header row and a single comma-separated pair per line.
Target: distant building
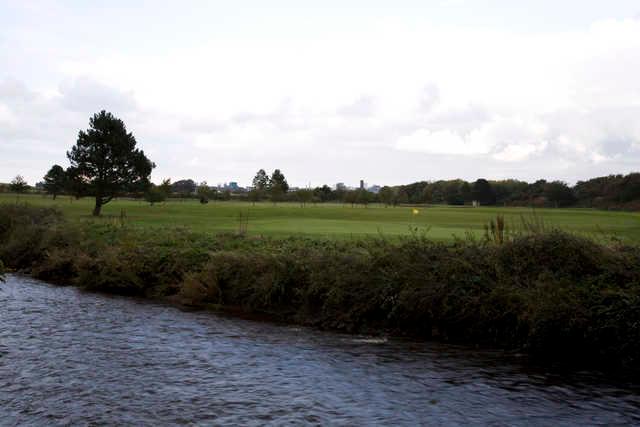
x,y
341,186
362,184
233,186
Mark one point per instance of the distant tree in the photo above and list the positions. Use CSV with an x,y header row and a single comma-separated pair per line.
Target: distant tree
x,y
351,197
629,188
55,181
261,181
254,195
339,193
18,185
225,195
213,193
427,194
511,191
400,196
465,192
437,192
106,157
155,194
203,192
414,192
184,187
559,194
537,189
304,196
482,192
165,187
278,186
75,185
323,194
386,195
363,197
452,193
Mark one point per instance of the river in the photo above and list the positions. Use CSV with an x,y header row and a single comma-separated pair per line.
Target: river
x,y
69,357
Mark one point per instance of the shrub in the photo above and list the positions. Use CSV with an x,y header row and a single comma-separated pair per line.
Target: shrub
x,y
553,294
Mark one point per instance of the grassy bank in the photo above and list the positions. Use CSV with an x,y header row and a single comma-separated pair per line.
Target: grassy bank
x,y
335,221
554,295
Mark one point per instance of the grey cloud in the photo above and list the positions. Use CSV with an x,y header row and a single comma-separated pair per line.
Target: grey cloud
x,y
86,95
15,90
609,132
616,146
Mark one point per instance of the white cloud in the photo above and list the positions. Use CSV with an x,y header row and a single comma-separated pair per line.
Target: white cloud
x,y
394,93
442,142
519,152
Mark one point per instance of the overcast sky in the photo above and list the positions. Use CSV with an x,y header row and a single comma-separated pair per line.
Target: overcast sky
x,y
328,91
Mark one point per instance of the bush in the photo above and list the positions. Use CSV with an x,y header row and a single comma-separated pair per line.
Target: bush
x,y
555,295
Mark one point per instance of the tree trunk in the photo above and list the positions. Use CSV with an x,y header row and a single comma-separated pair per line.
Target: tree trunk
x,y
96,210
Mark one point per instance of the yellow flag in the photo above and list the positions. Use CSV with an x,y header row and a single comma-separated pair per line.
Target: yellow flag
x,y
415,211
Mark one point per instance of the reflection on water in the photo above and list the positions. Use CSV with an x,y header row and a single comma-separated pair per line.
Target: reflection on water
x,y
70,357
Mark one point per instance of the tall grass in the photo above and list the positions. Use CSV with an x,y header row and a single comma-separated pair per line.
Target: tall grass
x,y
496,230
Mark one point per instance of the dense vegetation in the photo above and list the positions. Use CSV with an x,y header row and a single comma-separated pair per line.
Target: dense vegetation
x,y
614,191
549,293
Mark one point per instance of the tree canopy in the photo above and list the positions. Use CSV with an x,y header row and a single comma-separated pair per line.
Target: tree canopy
x,y
278,185
107,161
155,194
18,185
55,181
482,191
184,187
261,180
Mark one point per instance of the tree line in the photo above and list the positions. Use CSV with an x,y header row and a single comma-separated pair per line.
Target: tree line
x,y
613,191
105,163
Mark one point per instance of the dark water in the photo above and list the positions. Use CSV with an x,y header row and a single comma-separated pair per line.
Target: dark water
x,y
73,358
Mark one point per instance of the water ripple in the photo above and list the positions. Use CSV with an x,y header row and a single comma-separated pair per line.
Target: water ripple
x,y
70,357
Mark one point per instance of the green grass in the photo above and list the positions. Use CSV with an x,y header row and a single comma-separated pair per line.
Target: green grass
x,y
338,220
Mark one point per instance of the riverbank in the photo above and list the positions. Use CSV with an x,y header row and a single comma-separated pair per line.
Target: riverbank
x,y
556,296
